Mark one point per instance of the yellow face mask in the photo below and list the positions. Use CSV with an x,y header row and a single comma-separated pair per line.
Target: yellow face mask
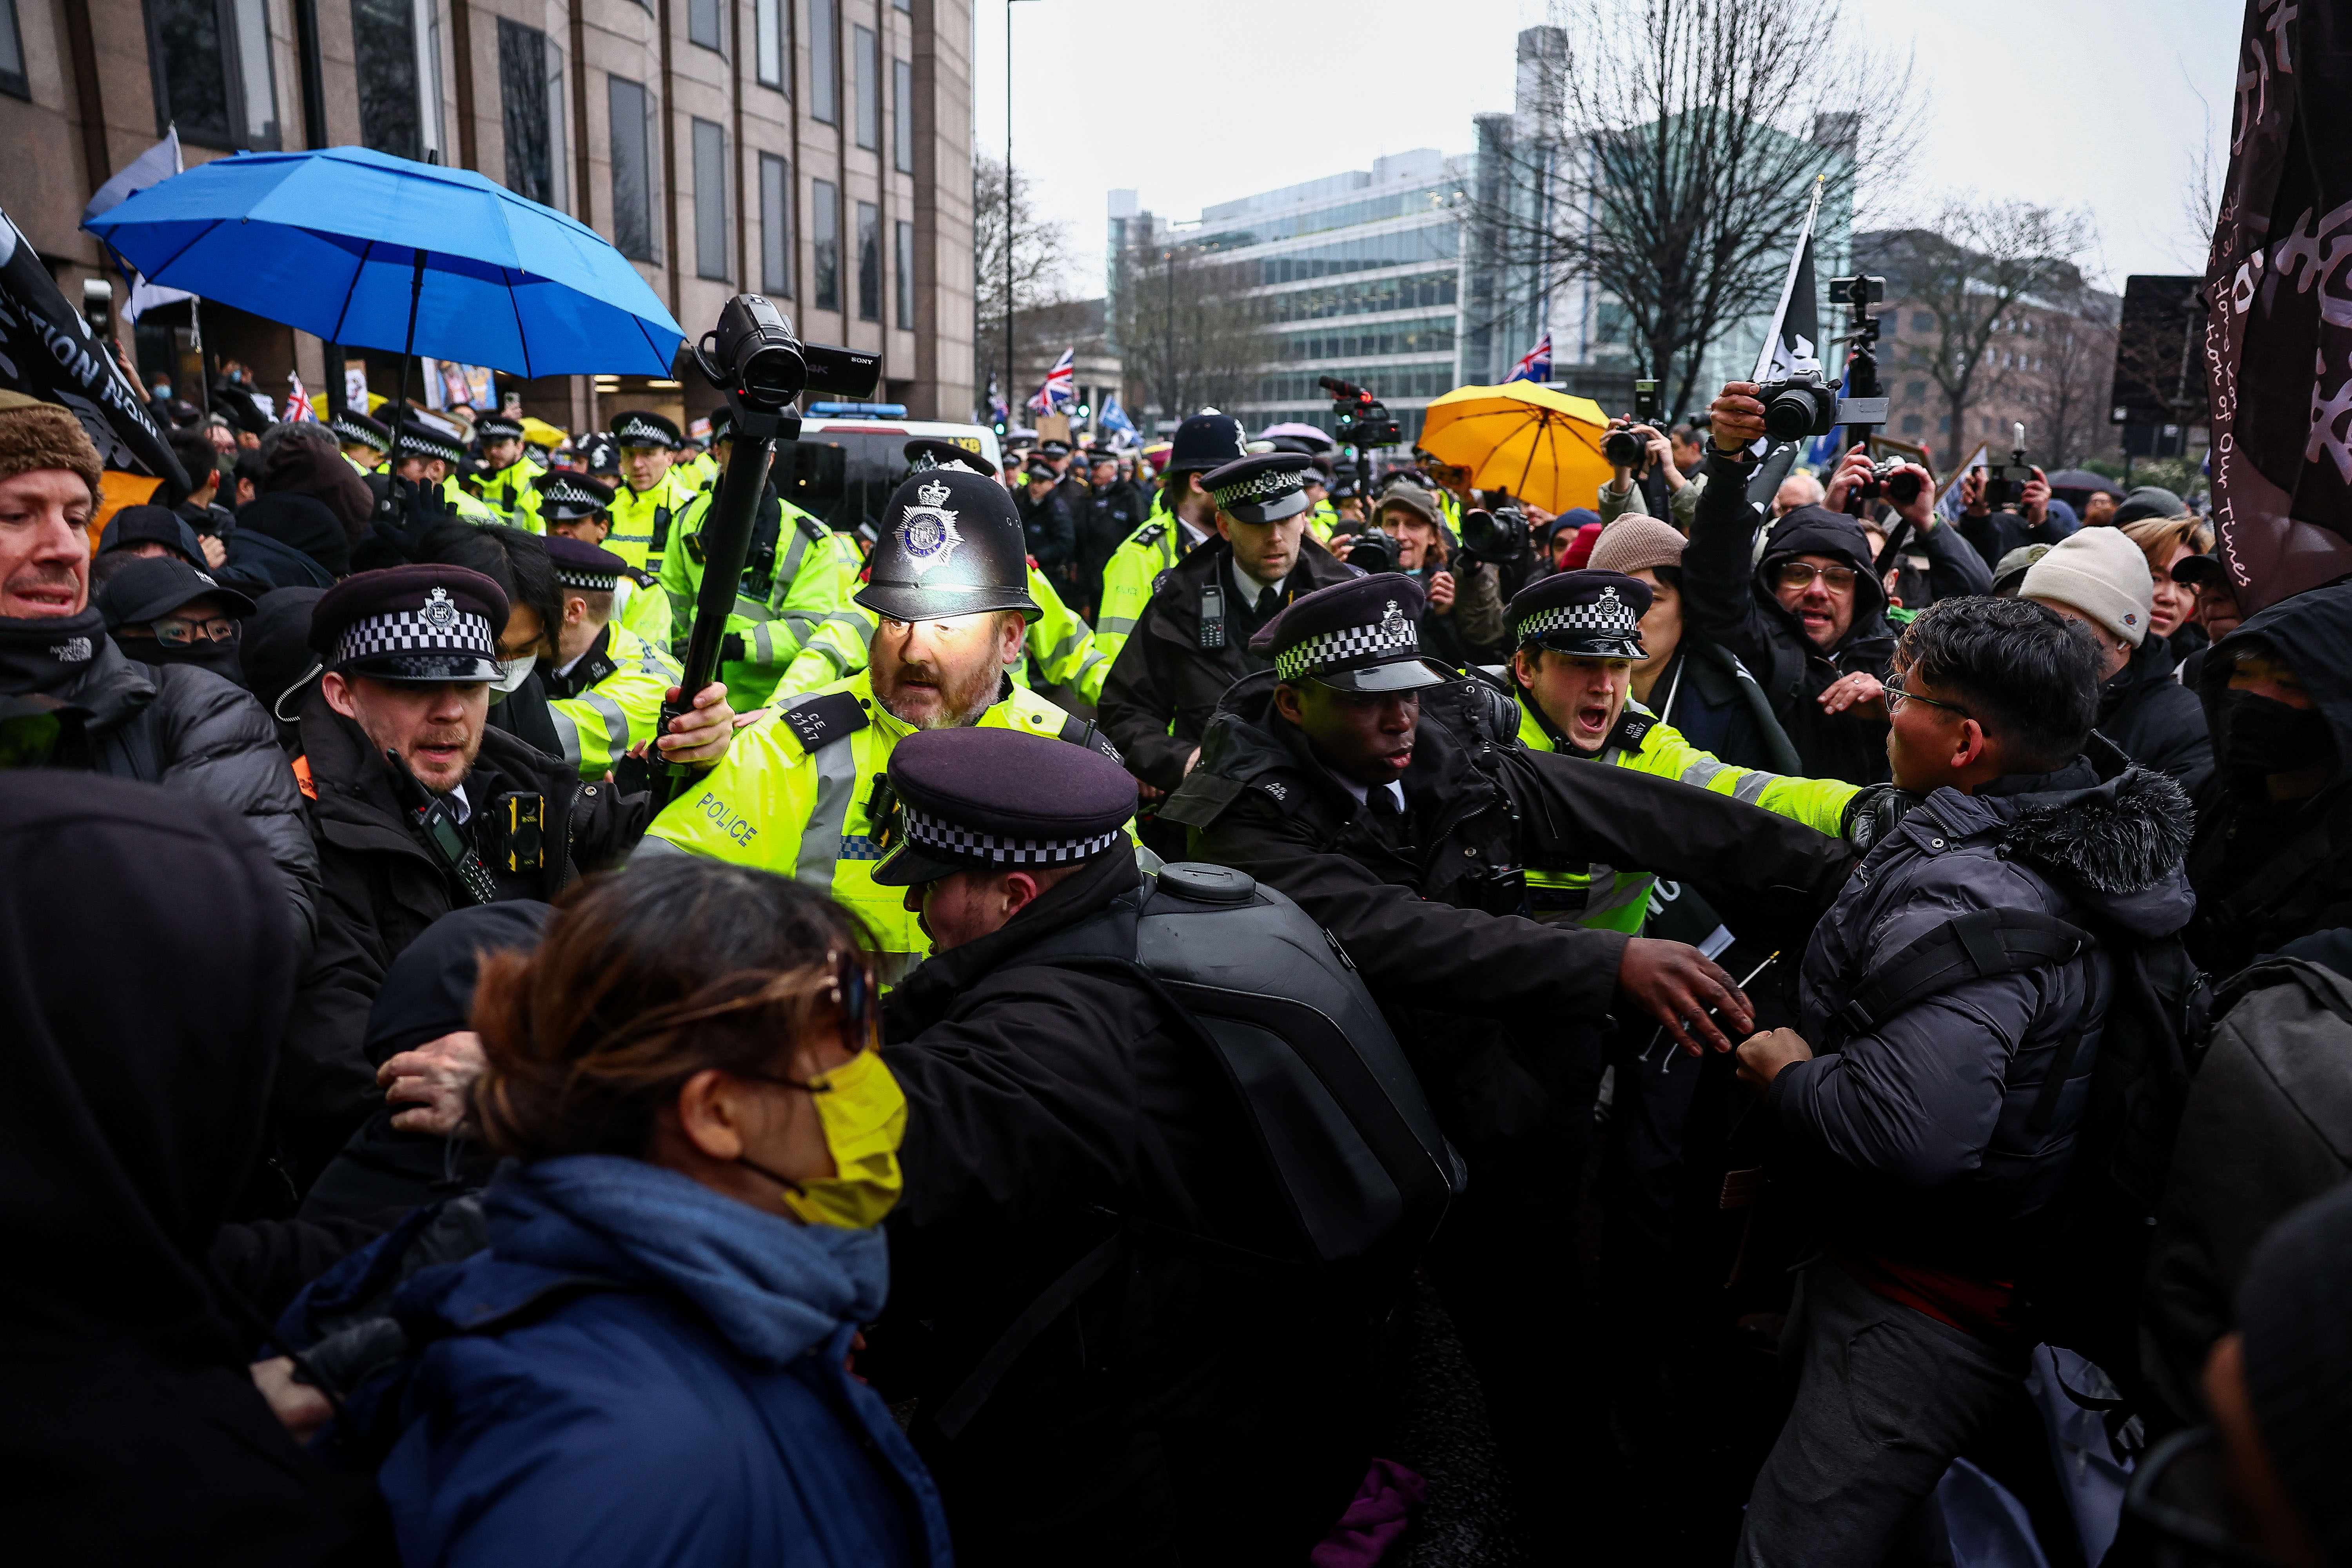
x,y
864,1114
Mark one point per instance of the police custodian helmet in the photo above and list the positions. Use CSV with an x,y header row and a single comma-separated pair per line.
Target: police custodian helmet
x,y
952,545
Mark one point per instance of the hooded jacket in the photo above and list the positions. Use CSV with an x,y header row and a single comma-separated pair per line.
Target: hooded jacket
x,y
1917,1134
2268,871
187,730
1154,1415
2154,720
137,1062
1728,596
1432,905
685,1400
303,468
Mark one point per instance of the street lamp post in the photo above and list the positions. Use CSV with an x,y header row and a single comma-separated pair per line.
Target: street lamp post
x,y
1009,376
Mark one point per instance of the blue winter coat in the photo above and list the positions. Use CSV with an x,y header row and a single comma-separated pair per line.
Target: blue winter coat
x,y
684,1402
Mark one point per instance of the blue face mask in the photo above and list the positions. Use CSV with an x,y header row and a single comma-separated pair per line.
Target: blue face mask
x,y
162,390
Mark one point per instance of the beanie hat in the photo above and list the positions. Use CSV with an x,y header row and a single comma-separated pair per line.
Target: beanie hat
x,y
2102,573
2298,1360
37,435
1579,554
1631,543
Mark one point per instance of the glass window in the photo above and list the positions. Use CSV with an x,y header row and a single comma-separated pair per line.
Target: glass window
x,y
522,89
710,201
867,55
212,71
906,262
702,24
767,27
633,188
384,44
826,259
902,116
11,53
825,60
869,262
775,227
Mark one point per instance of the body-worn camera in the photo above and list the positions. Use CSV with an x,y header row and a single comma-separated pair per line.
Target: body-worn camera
x,y
2004,483
754,354
1364,421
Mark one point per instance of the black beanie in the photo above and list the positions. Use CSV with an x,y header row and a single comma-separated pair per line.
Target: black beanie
x,y
2298,1359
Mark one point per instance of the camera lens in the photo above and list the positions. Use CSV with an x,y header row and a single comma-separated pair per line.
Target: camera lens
x,y
1623,448
1789,417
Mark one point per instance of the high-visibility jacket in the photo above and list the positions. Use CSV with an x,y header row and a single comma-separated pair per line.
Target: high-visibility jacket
x,y
511,494
1641,742
643,609
796,795
1323,519
619,706
1061,644
363,469
701,470
466,506
645,523
806,633
1129,576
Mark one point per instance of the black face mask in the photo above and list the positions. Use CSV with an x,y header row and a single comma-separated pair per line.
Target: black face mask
x,y
2265,735
220,658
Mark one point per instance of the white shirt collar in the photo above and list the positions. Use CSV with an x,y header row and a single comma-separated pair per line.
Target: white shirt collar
x,y
1249,587
465,807
1363,793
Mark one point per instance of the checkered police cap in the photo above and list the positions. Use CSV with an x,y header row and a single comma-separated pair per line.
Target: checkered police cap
x,y
437,626
573,495
938,835
411,622
640,428
1392,636
1264,488
419,439
497,427
1592,612
357,430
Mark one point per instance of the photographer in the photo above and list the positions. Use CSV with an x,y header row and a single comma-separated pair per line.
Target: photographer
x,y
1463,623
1952,569
1996,533
1660,467
1809,619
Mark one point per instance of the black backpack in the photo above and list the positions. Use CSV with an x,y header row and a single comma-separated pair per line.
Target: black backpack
x,y
2096,1235
1356,1152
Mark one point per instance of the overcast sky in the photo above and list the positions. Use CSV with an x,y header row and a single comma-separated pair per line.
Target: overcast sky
x,y
2090,103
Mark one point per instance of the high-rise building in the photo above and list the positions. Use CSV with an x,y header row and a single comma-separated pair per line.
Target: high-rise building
x,y
818,151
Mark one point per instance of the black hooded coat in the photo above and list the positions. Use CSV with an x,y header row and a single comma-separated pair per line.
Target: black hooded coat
x,y
1728,596
2268,871
138,1071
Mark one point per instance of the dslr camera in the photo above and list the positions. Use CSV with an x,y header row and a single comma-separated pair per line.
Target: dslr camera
x,y
1884,484
1364,421
1625,450
1802,404
753,354
1373,551
2004,483
1495,534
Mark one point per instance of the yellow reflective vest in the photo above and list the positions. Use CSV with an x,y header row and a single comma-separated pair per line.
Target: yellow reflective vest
x,y
1129,576
796,795
466,506
1605,899
619,707
644,610
806,634
511,494
1061,644
641,517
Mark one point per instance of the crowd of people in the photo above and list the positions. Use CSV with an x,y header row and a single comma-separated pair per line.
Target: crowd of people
x,y
1168,1005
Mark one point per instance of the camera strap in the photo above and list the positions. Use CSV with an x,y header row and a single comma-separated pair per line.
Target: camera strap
x,y
1213,615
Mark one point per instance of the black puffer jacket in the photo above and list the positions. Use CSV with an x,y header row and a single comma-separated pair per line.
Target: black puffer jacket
x,y
1918,1137
2154,721
187,729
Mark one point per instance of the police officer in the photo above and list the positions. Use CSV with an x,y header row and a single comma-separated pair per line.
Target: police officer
x,y
428,457
579,507
1110,514
1046,524
604,684
504,477
1390,799
650,497
1183,516
1041,1100
364,440
1193,640
793,628
800,790
1059,652
418,806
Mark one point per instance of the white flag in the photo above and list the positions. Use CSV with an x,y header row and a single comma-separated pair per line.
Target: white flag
x,y
152,167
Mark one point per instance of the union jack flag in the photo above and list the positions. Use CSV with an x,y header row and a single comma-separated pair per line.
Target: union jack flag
x,y
297,402
1061,384
1535,363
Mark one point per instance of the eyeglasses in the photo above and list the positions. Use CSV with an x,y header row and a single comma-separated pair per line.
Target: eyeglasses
x,y
173,632
1896,697
1800,575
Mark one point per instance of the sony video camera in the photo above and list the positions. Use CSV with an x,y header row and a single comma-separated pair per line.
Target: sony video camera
x,y
1364,421
2004,483
1625,450
753,354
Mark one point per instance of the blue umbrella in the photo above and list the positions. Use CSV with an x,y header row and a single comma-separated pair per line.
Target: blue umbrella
x,y
360,248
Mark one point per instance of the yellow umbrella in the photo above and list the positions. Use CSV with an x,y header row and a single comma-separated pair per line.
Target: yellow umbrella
x,y
1540,445
539,433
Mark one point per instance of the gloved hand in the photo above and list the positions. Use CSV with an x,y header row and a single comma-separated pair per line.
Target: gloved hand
x,y
730,648
1872,814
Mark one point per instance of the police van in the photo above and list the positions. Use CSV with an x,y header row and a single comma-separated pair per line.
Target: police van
x,y
872,440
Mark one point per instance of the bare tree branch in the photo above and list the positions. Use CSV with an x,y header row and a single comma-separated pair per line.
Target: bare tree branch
x,y
1188,335
1041,263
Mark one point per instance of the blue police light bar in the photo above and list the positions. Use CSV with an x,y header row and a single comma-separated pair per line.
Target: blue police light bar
x,y
857,411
